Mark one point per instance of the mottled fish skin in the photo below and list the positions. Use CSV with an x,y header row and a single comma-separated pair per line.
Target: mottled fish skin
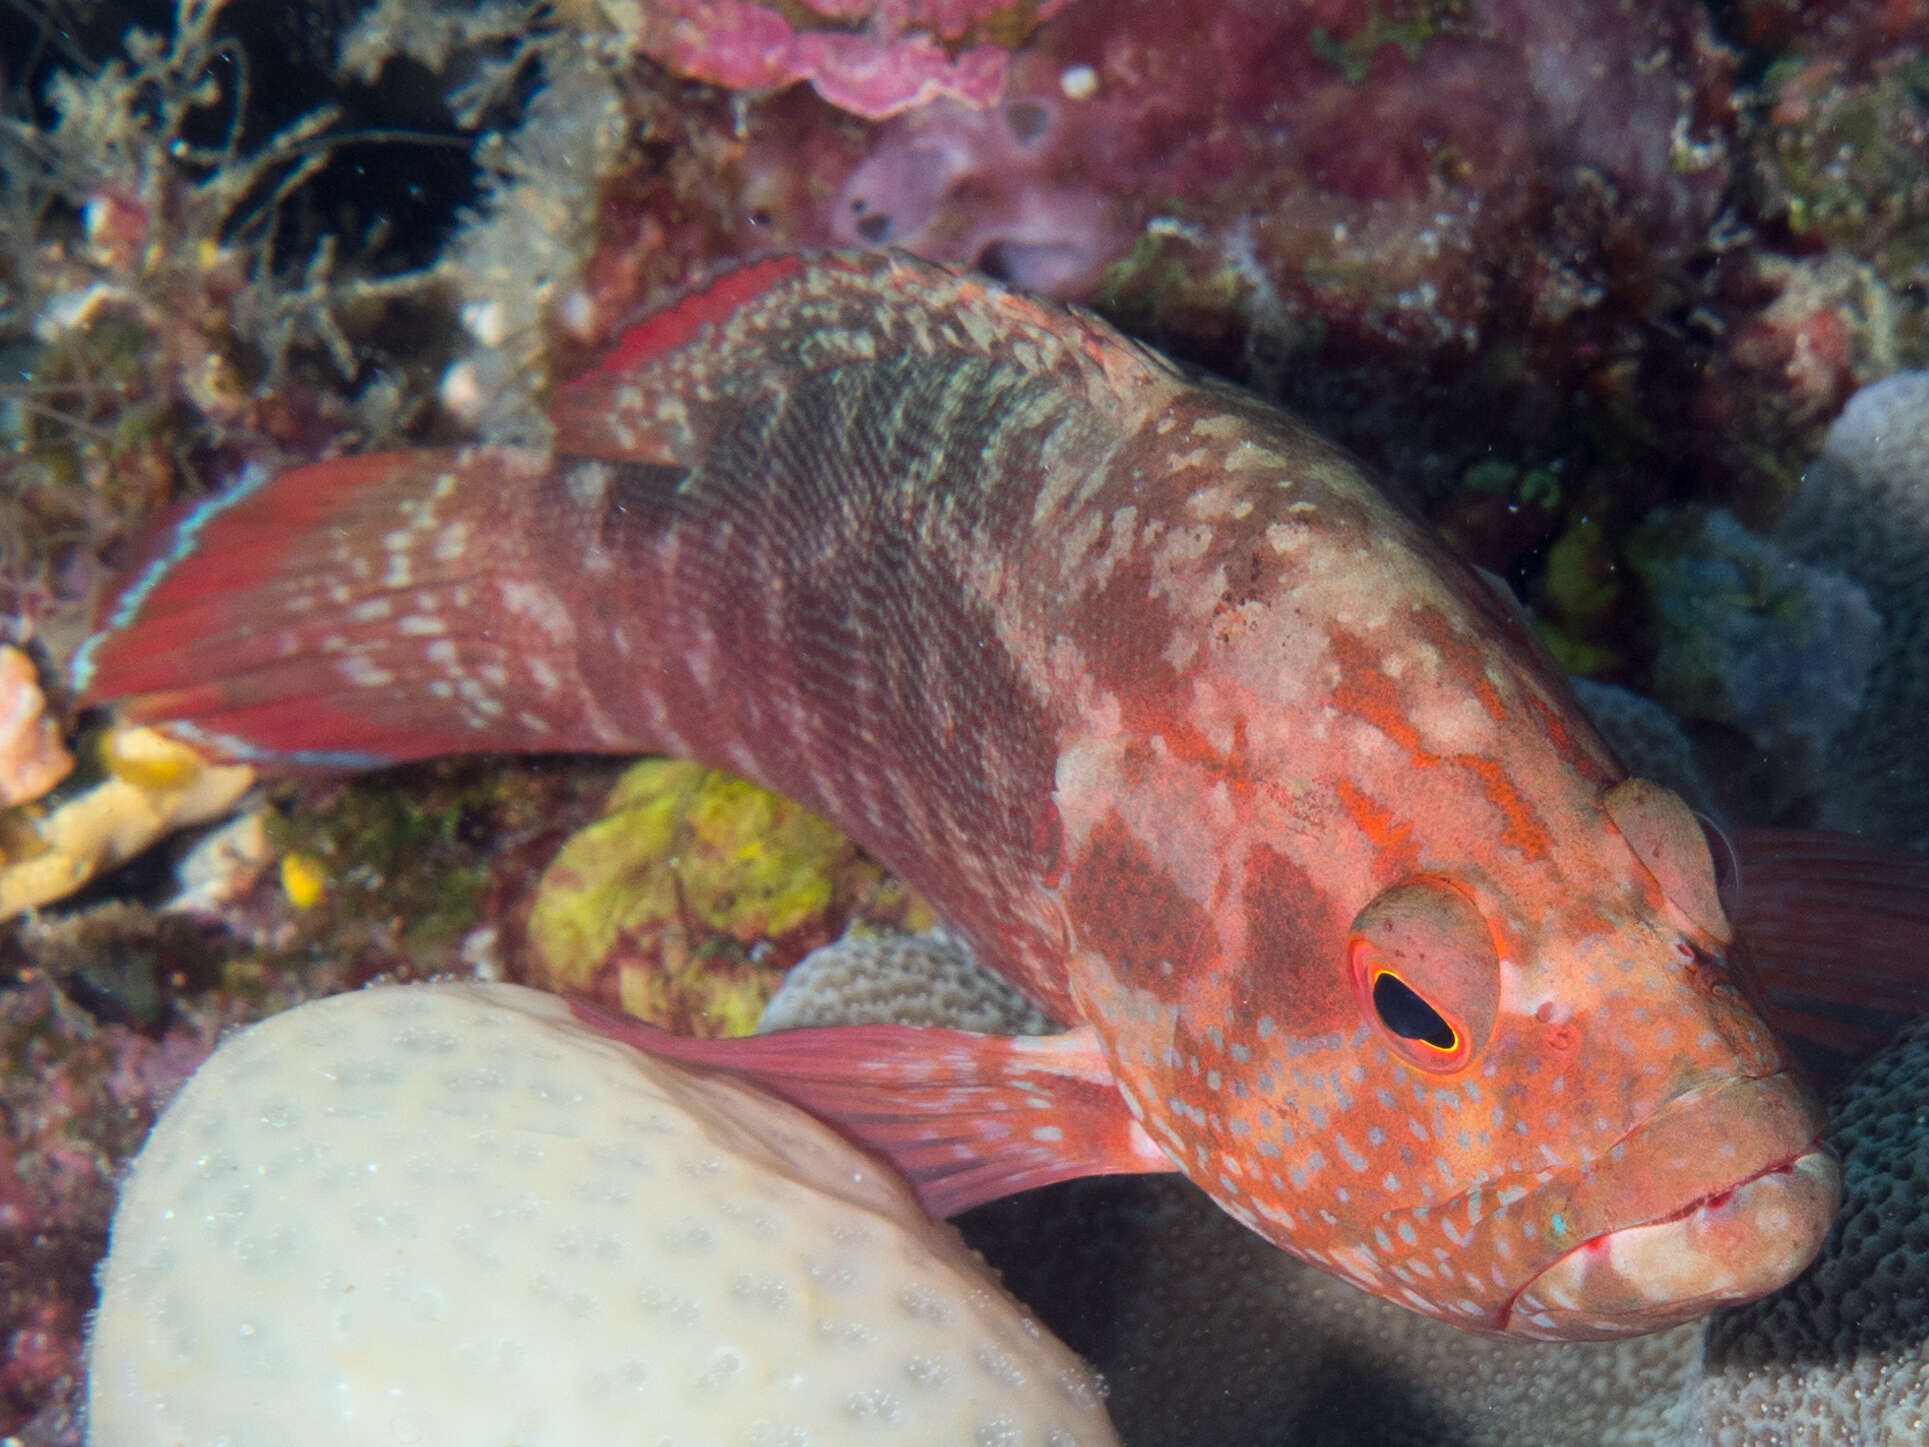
x,y
1189,727
1265,1352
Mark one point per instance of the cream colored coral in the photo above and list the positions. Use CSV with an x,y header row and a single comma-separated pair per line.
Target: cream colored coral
x,y
450,1213
154,787
32,757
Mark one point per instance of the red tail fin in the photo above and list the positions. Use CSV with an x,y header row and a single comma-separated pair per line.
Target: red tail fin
x,y
1838,930
966,1118
349,614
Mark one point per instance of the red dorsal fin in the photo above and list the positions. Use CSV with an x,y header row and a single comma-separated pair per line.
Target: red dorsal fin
x,y
353,613
714,298
749,332
1838,932
654,397
966,1118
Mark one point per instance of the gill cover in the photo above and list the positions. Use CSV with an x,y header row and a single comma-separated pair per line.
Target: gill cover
x,y
1669,841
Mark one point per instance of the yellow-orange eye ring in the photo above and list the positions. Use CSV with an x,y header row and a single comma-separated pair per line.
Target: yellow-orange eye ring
x,y
1416,1027
1426,973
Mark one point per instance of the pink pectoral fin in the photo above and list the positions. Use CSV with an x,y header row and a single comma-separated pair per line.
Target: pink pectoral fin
x,y
966,1118
1838,932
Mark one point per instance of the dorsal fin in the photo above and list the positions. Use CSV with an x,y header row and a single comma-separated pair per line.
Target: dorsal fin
x,y
756,328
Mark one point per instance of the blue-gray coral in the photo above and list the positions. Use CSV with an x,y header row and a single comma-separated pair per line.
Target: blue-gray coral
x,y
1749,637
1649,739
924,979
1864,509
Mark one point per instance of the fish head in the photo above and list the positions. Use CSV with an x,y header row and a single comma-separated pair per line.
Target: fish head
x,y
1524,1111
1387,952
1619,1142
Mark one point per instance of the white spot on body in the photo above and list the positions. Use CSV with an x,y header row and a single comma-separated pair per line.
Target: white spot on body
x,y
451,543
363,672
587,483
539,606
544,676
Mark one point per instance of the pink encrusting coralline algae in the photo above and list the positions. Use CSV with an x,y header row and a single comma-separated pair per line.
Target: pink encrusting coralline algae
x,y
869,58
1193,731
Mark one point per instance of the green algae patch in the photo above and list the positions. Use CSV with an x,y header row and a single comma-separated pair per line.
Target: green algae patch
x,y
1837,158
399,870
685,901
614,875
1582,592
1408,27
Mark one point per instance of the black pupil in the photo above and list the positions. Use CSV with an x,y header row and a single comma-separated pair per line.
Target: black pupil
x,y
1409,1016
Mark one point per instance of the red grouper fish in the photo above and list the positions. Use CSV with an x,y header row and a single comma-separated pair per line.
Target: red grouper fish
x,y
1200,738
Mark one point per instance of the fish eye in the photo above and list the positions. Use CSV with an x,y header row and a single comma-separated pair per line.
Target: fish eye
x,y
1426,973
1670,842
1403,1011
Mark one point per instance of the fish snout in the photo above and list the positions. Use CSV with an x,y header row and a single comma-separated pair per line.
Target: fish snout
x,y
1755,1218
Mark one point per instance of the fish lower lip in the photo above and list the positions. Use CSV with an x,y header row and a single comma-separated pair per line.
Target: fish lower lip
x,y
1731,1246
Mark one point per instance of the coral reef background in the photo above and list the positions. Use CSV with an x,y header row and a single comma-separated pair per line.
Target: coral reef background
x,y
1593,279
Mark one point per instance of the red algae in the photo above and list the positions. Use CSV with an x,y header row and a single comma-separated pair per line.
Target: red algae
x,y
78,1097
873,58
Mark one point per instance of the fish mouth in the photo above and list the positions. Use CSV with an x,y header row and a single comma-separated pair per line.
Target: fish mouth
x,y
1732,1244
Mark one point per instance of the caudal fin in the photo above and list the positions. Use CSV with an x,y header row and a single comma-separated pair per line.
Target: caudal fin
x,y
965,1118
1838,932
350,614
